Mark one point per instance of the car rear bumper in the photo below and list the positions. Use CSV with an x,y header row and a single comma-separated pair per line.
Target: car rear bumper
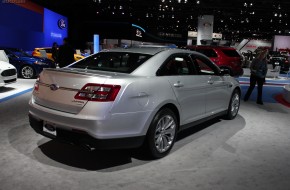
x,y
79,137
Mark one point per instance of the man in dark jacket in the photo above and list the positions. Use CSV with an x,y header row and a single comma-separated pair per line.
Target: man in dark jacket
x,y
65,54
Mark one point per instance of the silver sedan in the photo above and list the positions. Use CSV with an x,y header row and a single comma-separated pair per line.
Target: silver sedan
x,y
125,98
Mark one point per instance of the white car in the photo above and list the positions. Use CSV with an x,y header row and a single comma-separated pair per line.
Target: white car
x,y
8,73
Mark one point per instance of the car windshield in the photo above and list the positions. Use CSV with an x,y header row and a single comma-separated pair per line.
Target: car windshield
x,y
122,62
18,52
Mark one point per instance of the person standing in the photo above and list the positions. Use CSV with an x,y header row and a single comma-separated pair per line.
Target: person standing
x,y
258,74
54,51
65,54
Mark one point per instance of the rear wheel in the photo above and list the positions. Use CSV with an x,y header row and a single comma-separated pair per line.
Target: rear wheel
x,y
27,72
162,133
234,105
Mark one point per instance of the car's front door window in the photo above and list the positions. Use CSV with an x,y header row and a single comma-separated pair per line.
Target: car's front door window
x,y
176,65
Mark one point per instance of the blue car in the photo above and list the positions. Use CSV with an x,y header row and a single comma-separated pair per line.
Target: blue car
x,y
27,66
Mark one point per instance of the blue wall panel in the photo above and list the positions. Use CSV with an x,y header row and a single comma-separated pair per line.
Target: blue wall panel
x,y
20,27
26,29
23,39
16,17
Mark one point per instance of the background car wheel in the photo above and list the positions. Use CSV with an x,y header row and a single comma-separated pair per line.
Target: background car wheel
x,y
234,105
162,133
27,72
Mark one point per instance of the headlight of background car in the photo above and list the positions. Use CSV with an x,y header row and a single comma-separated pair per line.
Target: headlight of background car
x,y
40,63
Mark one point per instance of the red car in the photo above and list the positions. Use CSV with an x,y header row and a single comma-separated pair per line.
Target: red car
x,y
224,57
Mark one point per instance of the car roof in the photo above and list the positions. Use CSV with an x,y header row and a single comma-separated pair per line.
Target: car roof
x,y
148,50
210,47
141,50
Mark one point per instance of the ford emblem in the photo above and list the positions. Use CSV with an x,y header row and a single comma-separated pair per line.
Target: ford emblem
x,y
61,24
53,87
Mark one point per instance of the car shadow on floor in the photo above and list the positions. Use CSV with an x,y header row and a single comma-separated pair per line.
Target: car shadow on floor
x,y
6,89
72,157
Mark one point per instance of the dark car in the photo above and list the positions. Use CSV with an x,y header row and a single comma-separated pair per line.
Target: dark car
x,y
276,59
27,66
224,57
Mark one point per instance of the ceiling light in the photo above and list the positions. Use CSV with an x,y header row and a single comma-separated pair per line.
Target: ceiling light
x,y
197,2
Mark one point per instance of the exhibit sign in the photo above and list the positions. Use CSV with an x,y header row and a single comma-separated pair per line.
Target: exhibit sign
x,y
281,42
205,28
55,27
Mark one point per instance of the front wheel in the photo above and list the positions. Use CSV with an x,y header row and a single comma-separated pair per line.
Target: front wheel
x,y
162,133
234,105
27,72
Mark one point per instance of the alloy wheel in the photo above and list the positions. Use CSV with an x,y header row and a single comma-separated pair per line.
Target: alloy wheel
x,y
235,104
165,133
27,72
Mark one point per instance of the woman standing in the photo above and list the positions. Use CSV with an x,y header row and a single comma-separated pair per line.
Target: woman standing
x,y
258,73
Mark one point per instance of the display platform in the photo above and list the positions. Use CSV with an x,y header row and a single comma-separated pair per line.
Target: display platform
x,y
13,90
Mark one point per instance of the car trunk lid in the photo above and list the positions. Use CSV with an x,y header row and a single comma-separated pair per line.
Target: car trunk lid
x,y
57,88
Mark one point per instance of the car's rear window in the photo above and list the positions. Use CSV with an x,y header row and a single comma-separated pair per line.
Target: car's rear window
x,y
121,62
230,53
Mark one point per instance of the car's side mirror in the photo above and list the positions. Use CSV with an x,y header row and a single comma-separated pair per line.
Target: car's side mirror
x,y
225,72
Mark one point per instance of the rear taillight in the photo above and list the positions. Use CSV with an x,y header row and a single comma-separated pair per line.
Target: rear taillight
x,y
98,92
36,85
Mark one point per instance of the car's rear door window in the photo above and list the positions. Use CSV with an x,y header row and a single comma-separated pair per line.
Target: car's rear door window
x,y
230,53
122,62
176,65
208,52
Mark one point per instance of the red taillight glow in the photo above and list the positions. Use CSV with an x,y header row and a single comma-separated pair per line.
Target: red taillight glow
x,y
36,85
98,92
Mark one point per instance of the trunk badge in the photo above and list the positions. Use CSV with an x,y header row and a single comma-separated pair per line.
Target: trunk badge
x,y
53,87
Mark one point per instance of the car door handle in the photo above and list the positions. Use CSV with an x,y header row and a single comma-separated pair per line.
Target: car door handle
x,y
178,85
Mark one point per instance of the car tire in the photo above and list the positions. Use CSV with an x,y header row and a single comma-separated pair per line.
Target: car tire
x,y
161,134
234,105
27,72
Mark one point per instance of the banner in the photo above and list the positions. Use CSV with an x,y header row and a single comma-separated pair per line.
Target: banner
x,y
205,28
